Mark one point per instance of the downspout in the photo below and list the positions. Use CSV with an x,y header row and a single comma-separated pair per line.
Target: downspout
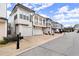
x,y
7,27
7,20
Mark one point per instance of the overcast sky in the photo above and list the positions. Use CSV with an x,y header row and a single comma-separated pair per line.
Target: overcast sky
x,y
64,13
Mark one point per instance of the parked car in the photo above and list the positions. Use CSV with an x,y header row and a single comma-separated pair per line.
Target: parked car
x,y
78,31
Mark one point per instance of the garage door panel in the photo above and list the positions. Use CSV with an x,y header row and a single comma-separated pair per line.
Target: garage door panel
x,y
2,29
26,31
37,31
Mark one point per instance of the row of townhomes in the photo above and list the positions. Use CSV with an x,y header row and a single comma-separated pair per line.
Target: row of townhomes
x,y
27,22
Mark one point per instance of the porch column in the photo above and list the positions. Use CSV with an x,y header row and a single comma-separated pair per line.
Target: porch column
x,y
38,20
42,21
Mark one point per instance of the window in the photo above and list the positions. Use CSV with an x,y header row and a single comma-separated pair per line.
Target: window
x,y
27,17
44,21
21,16
40,20
24,17
15,17
36,20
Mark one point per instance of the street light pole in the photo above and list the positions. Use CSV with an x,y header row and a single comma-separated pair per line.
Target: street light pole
x,y
18,42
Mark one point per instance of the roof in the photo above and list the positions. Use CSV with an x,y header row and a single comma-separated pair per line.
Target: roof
x,y
49,19
52,21
39,15
3,18
55,22
22,6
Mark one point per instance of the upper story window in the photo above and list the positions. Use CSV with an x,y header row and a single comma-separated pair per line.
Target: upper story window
x,y
36,20
27,17
24,17
40,20
21,16
15,17
36,17
44,21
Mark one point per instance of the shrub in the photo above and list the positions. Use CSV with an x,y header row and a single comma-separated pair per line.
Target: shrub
x,y
3,41
10,39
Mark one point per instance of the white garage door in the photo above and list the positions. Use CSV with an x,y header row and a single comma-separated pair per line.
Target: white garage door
x,y
37,31
26,31
2,29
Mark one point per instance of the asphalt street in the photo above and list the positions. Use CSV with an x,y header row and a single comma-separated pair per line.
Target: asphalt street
x,y
67,45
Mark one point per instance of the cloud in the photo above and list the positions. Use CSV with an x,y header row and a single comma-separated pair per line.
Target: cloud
x,y
64,9
45,5
74,13
37,6
8,13
51,11
76,10
58,16
28,5
66,16
9,5
44,15
70,22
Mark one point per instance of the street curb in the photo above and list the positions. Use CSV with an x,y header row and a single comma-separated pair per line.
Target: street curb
x,y
36,46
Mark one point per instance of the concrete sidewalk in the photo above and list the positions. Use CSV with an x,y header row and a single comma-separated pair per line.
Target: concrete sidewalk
x,y
26,44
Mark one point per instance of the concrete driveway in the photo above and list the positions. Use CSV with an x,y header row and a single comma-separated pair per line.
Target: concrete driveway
x,y
68,45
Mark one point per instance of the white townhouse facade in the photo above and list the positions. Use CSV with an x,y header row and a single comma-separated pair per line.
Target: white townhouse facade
x,y
57,26
21,20
48,29
3,20
39,24
26,22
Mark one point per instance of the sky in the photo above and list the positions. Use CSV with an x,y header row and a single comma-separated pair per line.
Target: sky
x,y
64,13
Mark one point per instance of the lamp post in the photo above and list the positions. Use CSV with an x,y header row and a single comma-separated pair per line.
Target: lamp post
x,y
18,37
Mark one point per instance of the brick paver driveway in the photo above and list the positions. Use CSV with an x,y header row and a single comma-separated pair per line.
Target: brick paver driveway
x,y
68,45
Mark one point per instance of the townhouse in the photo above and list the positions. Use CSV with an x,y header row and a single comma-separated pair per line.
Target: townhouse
x,y
3,20
39,24
52,26
21,20
48,29
57,26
